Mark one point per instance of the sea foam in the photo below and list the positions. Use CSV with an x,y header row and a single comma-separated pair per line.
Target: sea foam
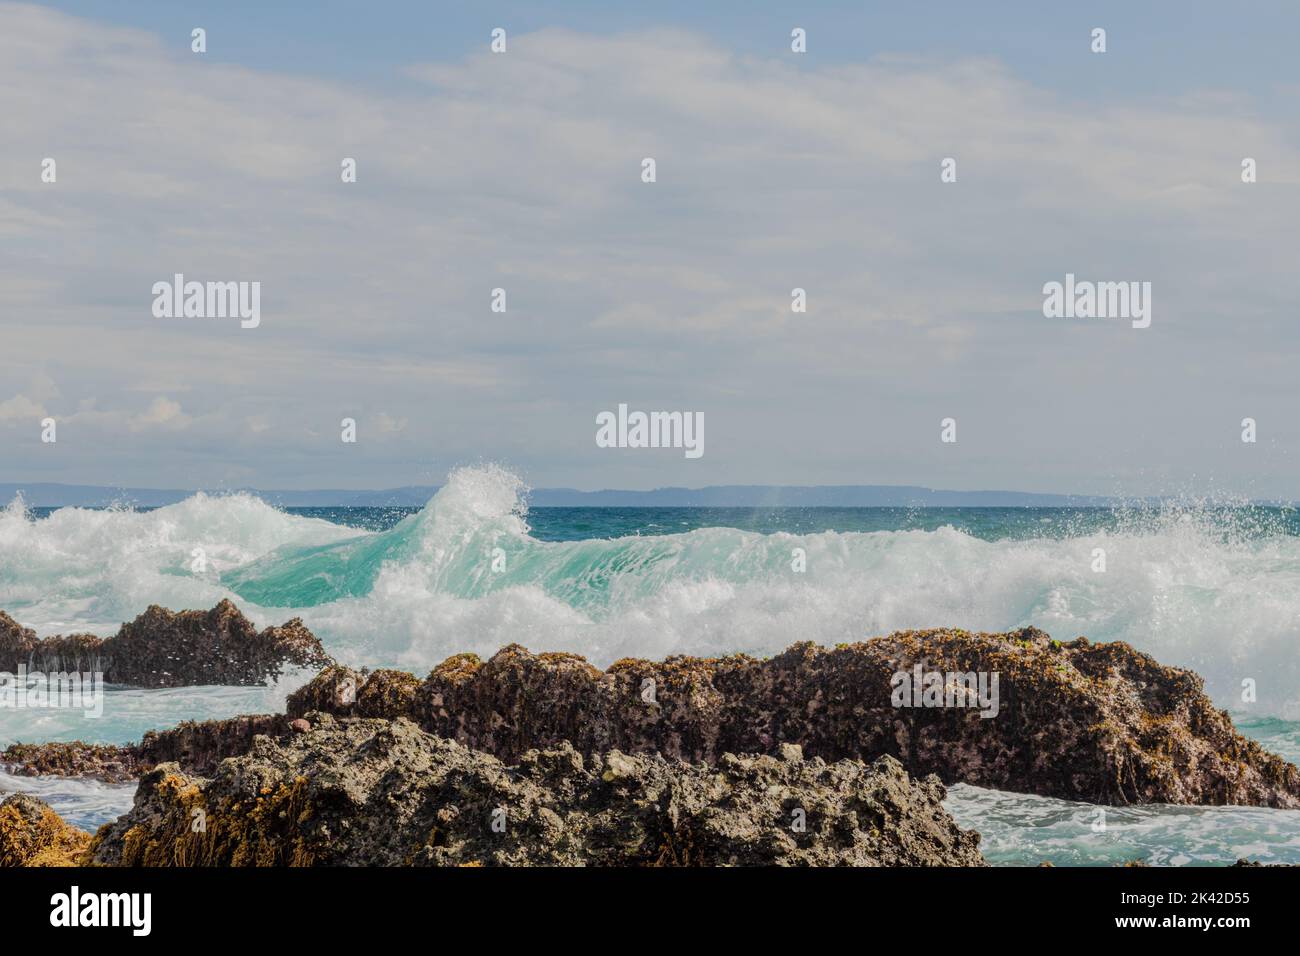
x,y
465,575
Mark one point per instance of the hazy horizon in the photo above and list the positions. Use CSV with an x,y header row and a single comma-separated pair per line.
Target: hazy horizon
x,y
753,495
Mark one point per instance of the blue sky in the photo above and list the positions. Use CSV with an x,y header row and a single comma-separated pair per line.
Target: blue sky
x,y
1158,47
776,170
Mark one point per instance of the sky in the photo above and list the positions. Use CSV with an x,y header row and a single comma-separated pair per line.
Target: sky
x,y
775,170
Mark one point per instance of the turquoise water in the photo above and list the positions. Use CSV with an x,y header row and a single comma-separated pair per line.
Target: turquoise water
x,y
1216,589
988,524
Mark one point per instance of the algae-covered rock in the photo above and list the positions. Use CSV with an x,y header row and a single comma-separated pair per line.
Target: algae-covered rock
x,y
31,834
363,791
198,745
201,745
163,648
1096,722
17,643
76,759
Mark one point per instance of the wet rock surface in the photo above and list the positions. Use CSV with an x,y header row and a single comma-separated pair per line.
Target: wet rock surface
x,y
201,745
99,761
198,745
163,648
31,834
1096,722
364,791
1244,862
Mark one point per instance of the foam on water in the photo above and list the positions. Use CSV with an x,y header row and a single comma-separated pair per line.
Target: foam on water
x,y
130,711
1021,830
1222,598
89,570
86,804
1180,585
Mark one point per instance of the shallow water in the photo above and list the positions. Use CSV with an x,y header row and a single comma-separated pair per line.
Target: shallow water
x,y
85,804
1023,830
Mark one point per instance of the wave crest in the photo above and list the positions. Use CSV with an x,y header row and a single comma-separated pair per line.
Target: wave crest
x,y
1192,588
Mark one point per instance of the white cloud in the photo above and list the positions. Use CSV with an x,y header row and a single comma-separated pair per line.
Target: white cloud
x,y
20,408
29,407
388,425
162,412
522,171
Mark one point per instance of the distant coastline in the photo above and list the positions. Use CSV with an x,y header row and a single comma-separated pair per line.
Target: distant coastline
x,y
57,495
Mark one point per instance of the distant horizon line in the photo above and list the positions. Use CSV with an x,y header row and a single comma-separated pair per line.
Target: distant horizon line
x,y
48,494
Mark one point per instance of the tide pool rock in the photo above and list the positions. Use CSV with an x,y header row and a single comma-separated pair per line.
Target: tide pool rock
x,y
198,745
76,759
1097,722
163,648
365,791
31,834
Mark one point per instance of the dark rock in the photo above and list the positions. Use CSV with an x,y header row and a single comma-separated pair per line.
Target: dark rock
x,y
17,643
76,759
1096,722
333,690
31,834
162,648
362,791
1243,861
201,745
386,691
197,745
1081,721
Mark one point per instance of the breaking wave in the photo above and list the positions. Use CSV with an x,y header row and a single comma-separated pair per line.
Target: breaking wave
x,y
464,574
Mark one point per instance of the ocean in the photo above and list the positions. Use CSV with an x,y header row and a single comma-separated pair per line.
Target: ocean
x,y
1213,588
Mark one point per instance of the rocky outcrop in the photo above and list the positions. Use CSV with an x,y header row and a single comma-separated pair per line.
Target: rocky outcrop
x,y
197,745
200,746
360,791
1244,862
162,648
1095,722
31,834
1082,721
17,643
100,761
